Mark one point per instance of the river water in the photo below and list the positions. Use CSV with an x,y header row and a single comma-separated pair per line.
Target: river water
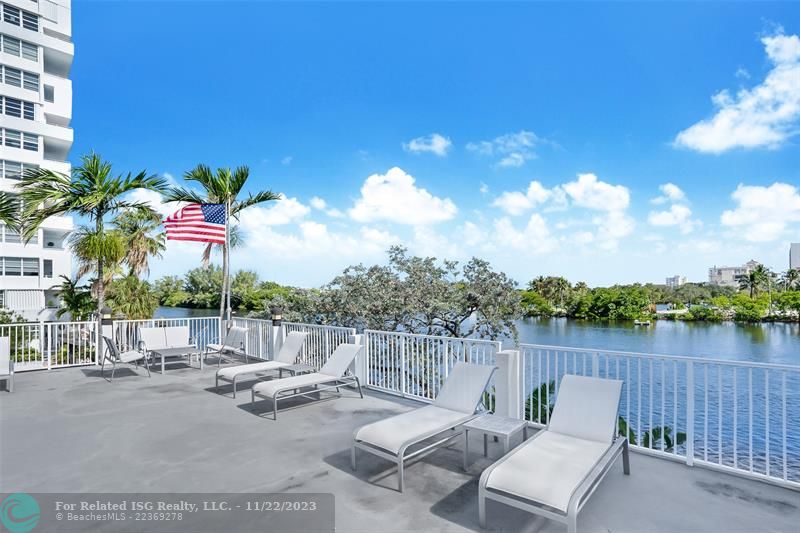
x,y
766,343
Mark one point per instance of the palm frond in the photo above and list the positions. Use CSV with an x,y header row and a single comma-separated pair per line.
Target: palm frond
x,y
9,210
182,194
254,199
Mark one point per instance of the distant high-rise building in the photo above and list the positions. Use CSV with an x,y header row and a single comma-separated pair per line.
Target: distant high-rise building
x,y
36,54
794,255
729,276
676,281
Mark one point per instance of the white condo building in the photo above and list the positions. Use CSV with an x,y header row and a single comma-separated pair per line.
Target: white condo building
x,y
794,255
36,54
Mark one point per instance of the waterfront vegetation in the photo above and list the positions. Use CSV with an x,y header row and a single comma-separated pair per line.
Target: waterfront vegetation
x,y
761,296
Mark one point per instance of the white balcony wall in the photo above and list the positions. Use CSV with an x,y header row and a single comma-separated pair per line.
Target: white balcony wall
x,y
62,101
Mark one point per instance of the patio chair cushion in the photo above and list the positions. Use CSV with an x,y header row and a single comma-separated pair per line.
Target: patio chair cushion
x,y
464,387
238,370
586,408
547,469
391,433
273,387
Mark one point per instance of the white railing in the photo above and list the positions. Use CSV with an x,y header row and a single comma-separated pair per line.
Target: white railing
x,y
44,345
738,417
321,341
259,341
202,330
416,365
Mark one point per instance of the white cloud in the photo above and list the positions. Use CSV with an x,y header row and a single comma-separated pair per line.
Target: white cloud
x,y
395,197
154,200
321,205
589,192
534,237
318,203
473,235
669,193
677,215
742,73
281,212
764,116
611,227
763,213
516,203
428,242
484,189
434,143
286,161
513,149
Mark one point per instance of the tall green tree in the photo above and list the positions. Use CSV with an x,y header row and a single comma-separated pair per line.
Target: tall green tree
x,y
221,187
91,191
76,300
755,280
791,279
142,238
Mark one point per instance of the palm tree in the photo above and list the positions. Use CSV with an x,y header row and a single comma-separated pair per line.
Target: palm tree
x,y
137,231
92,192
9,209
754,280
220,187
791,279
76,300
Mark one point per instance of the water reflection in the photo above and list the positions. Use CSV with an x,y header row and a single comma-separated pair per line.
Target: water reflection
x,y
768,343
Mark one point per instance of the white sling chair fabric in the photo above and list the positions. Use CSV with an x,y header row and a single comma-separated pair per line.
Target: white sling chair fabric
x,y
455,405
287,355
334,373
548,469
176,336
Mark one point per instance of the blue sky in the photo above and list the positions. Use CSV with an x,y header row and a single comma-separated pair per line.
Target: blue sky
x,y
605,142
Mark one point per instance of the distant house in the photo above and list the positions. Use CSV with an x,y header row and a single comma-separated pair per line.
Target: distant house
x,y
676,281
729,276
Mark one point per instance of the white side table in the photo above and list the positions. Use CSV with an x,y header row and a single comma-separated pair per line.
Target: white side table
x,y
496,426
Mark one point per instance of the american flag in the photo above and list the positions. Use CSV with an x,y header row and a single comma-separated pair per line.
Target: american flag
x,y
197,222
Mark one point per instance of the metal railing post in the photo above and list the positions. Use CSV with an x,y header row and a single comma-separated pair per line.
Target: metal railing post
x,y
403,366
689,413
595,364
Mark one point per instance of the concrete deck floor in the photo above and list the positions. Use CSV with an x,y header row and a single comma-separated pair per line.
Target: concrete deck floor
x,y
70,430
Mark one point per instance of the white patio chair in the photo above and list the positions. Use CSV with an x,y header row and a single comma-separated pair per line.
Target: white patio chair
x,y
233,343
6,364
333,374
287,355
456,404
113,354
554,473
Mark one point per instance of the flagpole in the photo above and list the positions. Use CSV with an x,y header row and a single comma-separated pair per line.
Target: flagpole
x,y
227,281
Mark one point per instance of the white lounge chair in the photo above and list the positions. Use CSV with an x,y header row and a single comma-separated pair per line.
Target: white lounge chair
x,y
554,473
113,354
233,343
287,355
456,404
6,364
333,374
